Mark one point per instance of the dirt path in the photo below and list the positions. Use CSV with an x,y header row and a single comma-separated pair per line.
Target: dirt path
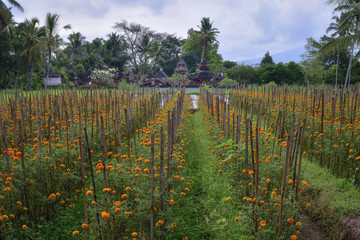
x,y
311,231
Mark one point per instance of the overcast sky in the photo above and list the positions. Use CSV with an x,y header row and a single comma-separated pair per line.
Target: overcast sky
x,y
248,28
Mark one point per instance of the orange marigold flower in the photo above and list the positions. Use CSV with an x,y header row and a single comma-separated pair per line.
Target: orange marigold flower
x,y
228,199
24,227
76,233
105,215
172,202
159,223
293,237
290,220
263,223
134,234
251,172
128,189
84,225
124,196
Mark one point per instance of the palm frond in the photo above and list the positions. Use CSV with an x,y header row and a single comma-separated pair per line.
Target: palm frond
x,y
339,43
16,4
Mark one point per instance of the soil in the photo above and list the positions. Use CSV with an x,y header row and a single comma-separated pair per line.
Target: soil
x,y
311,230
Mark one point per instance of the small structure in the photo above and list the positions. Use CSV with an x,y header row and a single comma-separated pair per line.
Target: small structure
x,y
54,79
181,67
83,79
159,79
203,77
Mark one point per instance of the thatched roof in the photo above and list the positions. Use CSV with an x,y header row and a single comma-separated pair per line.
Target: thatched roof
x,y
160,75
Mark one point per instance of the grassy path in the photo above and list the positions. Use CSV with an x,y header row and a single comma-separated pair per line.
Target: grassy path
x,y
205,213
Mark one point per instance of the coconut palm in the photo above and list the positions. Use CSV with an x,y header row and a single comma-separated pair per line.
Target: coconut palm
x,y
207,34
155,51
33,39
338,31
350,19
5,13
76,45
116,47
52,37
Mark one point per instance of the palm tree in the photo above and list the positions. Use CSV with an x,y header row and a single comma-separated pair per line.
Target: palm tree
x,y
52,30
5,13
76,45
116,47
207,34
338,32
155,51
350,10
33,40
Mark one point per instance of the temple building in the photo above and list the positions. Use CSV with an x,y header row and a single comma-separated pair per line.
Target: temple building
x,y
181,67
203,77
159,79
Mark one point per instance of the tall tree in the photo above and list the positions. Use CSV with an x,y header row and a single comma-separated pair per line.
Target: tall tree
x,y
52,30
116,48
338,31
5,13
75,46
33,39
267,59
350,11
207,34
134,34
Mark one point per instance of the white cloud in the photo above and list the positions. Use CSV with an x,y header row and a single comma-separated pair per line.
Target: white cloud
x,y
247,28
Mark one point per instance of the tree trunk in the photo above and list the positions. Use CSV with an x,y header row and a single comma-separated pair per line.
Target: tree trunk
x,y
31,72
337,68
202,55
48,69
348,74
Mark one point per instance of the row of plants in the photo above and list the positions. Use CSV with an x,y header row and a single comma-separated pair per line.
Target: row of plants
x,y
90,164
265,173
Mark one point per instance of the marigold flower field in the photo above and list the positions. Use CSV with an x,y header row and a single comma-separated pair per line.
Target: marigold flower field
x,y
109,164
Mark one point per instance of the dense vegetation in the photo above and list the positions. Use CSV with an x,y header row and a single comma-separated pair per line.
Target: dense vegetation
x,y
104,163
32,48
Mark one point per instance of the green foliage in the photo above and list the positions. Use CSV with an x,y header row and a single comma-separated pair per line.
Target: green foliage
x,y
103,77
267,59
291,73
126,86
228,83
192,51
177,80
243,74
229,64
79,68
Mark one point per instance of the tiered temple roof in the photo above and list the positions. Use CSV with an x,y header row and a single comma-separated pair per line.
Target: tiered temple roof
x,y
203,76
181,67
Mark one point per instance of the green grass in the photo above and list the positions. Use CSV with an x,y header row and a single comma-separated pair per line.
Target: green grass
x,y
205,213
332,197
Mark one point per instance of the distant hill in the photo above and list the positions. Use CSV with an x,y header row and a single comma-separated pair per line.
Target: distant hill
x,y
285,57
